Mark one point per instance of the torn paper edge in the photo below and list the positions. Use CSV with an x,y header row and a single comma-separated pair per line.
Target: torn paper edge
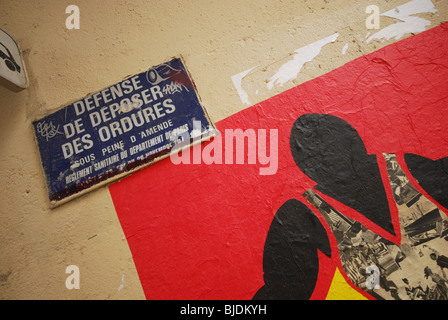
x,y
344,49
237,82
409,23
291,69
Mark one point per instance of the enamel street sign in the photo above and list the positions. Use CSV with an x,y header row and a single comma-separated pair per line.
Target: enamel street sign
x,y
120,129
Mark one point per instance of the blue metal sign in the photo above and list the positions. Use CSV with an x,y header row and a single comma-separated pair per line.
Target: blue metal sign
x,y
118,130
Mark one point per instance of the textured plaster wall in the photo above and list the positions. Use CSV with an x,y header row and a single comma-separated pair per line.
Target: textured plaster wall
x,y
217,39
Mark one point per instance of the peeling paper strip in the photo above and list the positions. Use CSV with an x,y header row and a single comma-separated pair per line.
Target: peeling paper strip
x,y
237,82
122,283
290,70
344,50
409,24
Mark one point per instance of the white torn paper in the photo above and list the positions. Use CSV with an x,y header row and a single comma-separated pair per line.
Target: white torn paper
x,y
344,50
409,23
237,82
290,70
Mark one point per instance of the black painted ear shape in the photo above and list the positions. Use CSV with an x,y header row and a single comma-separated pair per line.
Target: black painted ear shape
x,y
290,259
331,152
431,175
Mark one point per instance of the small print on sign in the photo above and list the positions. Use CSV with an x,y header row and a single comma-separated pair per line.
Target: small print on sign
x,y
119,130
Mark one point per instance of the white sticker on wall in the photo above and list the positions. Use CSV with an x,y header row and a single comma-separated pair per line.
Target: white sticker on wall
x,y
11,63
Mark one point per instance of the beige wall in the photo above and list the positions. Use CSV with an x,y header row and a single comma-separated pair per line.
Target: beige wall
x,y
217,39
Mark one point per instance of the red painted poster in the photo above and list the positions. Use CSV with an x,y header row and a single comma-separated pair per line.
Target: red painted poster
x,y
348,173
